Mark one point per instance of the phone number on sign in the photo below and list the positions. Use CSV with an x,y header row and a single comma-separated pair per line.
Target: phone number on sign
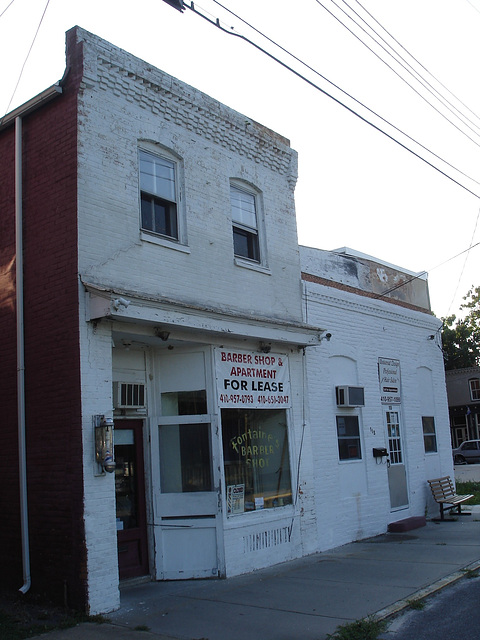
x,y
249,399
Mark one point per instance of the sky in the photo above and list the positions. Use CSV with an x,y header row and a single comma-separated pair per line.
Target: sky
x,y
357,187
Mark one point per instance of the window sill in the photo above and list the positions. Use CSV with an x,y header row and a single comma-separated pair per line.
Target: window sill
x,y
164,242
254,266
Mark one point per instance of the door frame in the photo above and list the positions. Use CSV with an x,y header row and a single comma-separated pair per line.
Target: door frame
x,y
396,471
140,533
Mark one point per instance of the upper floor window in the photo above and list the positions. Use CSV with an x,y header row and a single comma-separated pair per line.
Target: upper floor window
x,y
245,224
474,388
158,195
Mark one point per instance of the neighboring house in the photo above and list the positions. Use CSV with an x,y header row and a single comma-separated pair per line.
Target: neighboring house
x,y
162,302
463,391
377,383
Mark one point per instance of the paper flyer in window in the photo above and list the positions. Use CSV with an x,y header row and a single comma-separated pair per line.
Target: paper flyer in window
x,y
235,498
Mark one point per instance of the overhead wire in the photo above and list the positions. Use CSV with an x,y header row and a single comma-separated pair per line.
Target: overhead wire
x,y
25,61
417,61
311,83
464,263
418,93
412,71
7,7
424,273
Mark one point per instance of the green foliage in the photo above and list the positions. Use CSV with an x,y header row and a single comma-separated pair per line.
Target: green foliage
x,y
461,338
364,629
418,605
464,488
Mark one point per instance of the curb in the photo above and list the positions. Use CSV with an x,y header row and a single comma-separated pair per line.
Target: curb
x,y
399,606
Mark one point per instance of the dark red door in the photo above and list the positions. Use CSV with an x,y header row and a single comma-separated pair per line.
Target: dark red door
x,y
130,499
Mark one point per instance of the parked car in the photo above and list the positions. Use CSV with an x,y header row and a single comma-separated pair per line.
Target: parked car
x,y
468,451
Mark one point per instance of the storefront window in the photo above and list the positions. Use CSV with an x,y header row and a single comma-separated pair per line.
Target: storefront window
x,y
257,461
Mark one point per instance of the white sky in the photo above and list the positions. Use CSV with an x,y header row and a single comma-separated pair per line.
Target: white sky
x,y
356,187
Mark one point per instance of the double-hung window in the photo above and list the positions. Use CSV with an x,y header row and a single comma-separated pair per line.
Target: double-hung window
x,y
158,195
348,435
474,388
245,224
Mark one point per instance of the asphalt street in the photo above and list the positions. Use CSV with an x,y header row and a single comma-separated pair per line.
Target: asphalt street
x,y
451,614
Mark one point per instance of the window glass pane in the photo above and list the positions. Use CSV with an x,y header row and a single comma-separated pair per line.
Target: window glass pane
x,y
125,482
429,436
475,388
185,462
157,176
184,403
348,434
243,207
245,244
257,460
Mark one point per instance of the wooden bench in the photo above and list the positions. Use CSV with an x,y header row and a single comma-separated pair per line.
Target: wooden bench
x,y
444,494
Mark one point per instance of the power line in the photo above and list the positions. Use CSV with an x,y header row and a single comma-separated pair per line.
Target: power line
x,y
418,62
392,69
7,7
28,54
424,273
464,263
351,110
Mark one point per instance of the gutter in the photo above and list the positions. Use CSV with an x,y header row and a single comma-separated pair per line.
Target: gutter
x,y
22,457
15,117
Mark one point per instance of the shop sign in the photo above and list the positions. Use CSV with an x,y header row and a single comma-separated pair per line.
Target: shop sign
x,y
253,380
389,377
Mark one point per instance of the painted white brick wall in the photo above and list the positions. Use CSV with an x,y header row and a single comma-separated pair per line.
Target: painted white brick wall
x,y
125,101
99,500
353,497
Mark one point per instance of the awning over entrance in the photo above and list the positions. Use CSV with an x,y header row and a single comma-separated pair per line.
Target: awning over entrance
x,y
163,315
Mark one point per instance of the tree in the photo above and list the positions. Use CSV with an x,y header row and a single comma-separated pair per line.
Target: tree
x,y
461,342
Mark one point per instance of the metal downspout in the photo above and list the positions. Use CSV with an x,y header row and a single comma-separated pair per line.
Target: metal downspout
x,y
22,457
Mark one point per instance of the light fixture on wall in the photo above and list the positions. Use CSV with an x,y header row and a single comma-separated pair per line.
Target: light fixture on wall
x,y
431,337
326,336
264,348
162,334
103,431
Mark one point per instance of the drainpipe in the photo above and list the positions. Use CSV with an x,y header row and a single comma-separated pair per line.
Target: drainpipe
x,y
22,457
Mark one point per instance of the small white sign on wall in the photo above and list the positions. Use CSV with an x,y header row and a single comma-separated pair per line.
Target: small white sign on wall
x,y
389,378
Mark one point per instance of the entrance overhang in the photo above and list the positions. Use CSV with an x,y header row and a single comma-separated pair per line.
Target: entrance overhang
x,y
160,313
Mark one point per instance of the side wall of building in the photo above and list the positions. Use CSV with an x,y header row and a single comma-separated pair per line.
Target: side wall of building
x,y
354,494
53,412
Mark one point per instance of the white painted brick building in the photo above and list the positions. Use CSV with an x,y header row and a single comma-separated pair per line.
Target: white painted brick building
x,y
371,330
191,326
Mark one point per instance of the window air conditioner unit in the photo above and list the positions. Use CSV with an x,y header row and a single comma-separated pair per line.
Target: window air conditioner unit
x,y
350,396
128,395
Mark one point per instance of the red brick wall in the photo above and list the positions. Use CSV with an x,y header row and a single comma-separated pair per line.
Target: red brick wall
x,y
52,369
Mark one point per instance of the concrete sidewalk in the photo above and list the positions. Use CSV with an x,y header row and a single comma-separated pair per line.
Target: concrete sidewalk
x,y
304,599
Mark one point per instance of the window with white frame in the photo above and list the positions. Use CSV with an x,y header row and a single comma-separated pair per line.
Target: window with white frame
x,y
158,194
245,223
474,388
348,434
429,434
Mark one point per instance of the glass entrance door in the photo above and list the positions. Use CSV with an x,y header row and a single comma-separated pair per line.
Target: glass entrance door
x,y
130,500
